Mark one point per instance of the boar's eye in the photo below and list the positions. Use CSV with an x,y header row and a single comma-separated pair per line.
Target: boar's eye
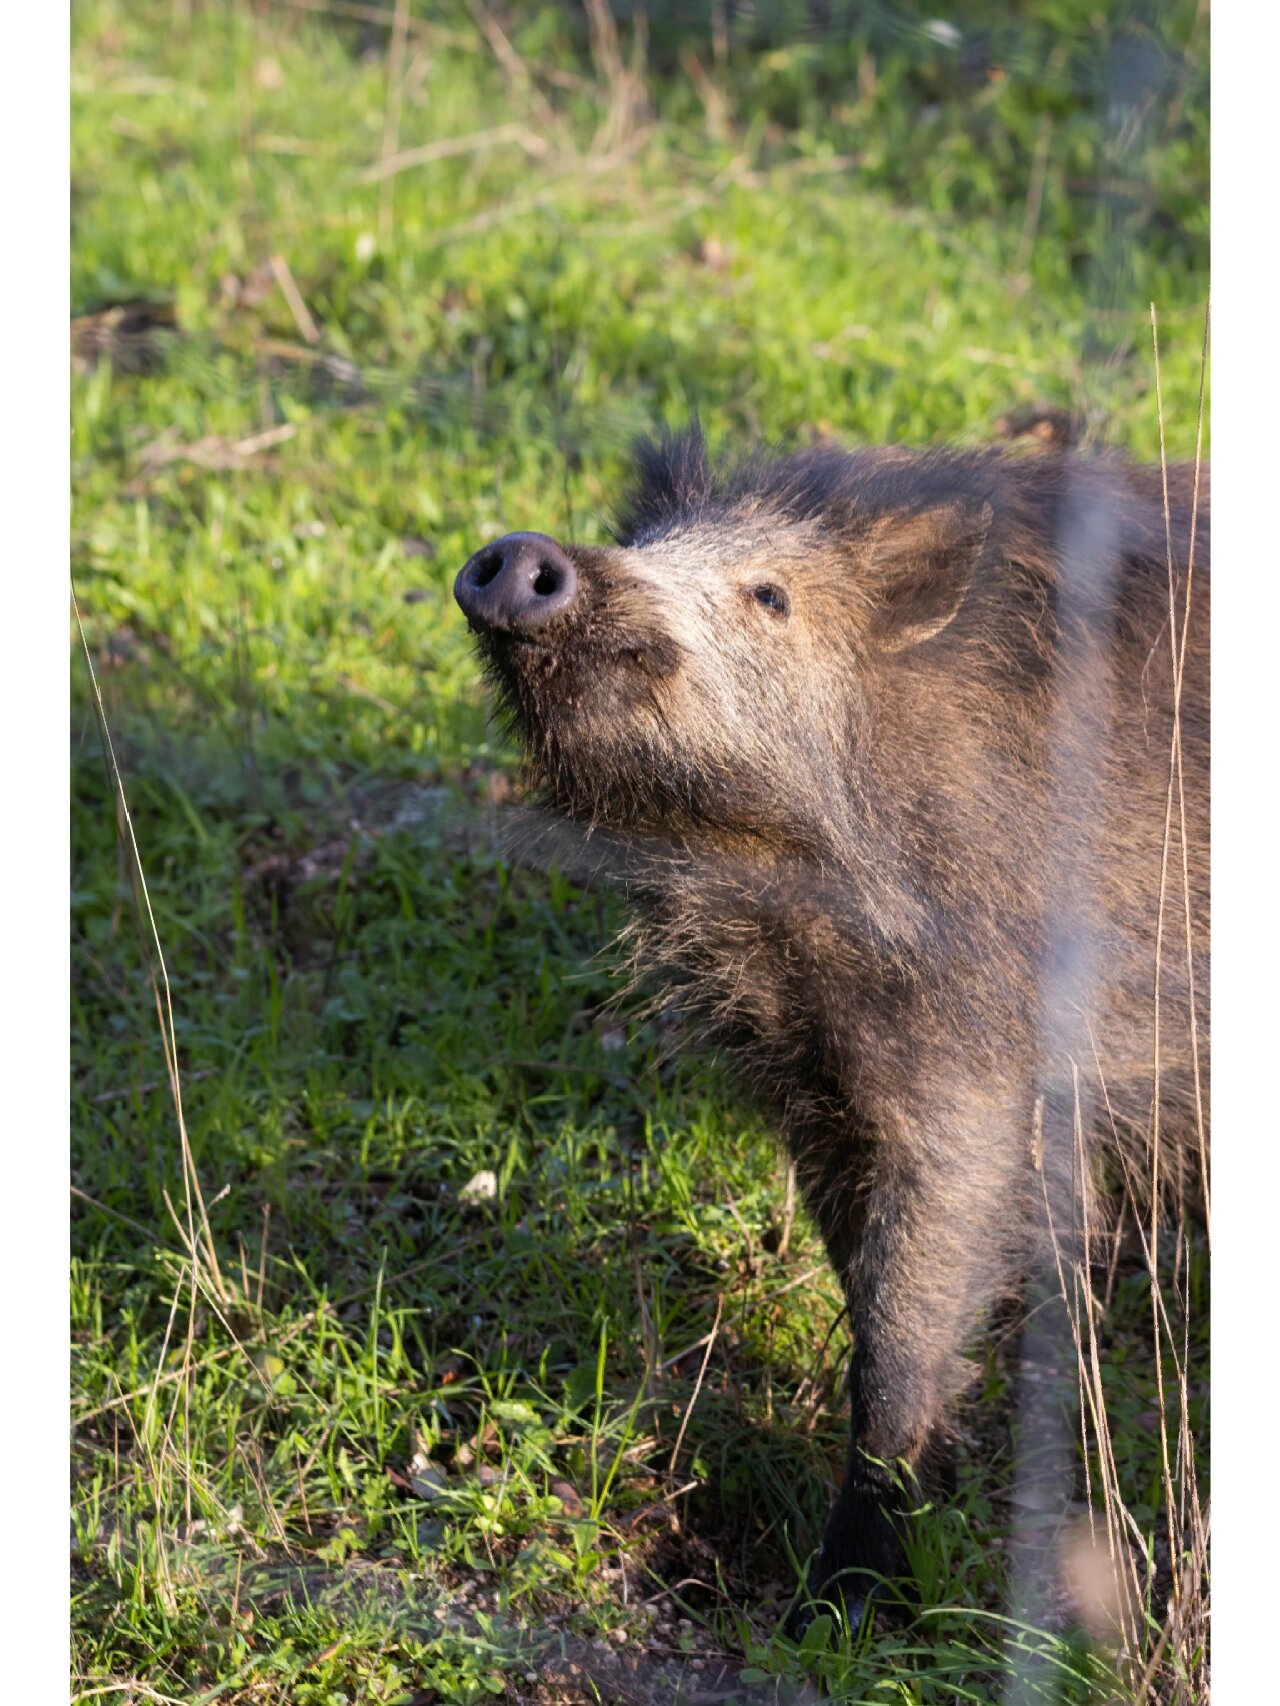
x,y
773,598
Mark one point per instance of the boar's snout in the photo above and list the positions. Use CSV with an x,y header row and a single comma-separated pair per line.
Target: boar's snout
x,y
516,584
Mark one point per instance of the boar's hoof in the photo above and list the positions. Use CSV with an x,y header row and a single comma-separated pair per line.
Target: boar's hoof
x,y
856,1567
848,1601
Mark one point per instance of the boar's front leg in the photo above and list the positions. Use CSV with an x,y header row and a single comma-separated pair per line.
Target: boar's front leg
x,y
924,1243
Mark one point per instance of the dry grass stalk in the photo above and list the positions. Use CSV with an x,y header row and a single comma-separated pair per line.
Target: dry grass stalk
x,y
1168,1659
450,147
697,1387
200,1245
518,73
302,318
622,86
391,116
198,1276
709,93
366,14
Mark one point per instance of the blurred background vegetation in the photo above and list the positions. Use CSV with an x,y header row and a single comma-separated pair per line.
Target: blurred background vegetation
x,y
354,288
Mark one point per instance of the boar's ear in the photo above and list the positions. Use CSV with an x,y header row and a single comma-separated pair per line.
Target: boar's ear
x,y
922,566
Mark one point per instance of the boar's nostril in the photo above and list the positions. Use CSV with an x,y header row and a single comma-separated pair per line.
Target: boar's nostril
x,y
486,565
516,584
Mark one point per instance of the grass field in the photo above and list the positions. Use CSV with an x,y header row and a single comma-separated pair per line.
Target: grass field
x,y
465,1355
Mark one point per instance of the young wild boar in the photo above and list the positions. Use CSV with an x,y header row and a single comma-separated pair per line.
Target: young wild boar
x,y
883,741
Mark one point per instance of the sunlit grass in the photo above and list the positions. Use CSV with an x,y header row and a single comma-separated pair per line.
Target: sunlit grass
x,y
410,1437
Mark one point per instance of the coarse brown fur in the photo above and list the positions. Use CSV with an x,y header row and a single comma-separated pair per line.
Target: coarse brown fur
x,y
882,744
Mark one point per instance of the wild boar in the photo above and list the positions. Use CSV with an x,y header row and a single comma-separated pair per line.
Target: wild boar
x,y
887,740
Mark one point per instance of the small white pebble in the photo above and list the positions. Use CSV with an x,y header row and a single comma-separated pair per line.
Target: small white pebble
x,y
480,1187
944,33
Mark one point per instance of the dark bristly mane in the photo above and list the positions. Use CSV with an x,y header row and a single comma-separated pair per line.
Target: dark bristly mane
x,y
676,484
